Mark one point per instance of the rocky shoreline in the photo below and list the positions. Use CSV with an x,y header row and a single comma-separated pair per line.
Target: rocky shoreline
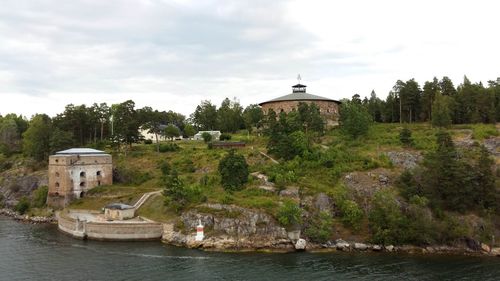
x,y
230,243
27,218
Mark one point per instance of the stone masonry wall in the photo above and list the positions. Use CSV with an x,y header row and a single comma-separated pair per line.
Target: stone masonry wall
x,y
328,109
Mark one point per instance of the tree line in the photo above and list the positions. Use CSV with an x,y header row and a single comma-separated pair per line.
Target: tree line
x,y
408,102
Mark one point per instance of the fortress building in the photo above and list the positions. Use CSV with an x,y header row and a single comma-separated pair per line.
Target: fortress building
x,y
74,171
328,108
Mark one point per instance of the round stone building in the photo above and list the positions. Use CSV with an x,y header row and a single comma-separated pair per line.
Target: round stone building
x,y
328,108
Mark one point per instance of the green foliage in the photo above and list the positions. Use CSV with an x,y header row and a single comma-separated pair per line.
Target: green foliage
x,y
387,223
289,214
189,131
407,185
178,195
5,163
253,116
354,119
40,197
233,169
36,139
405,137
168,147
352,215
207,137
320,228
483,131
230,116
148,141
205,116
224,137
171,131
23,205
126,123
130,176
441,116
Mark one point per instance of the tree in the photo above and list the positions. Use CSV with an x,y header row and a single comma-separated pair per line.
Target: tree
x,y
354,119
151,121
9,136
126,123
37,137
428,96
441,114
172,132
405,137
233,169
60,140
229,116
189,131
252,115
205,116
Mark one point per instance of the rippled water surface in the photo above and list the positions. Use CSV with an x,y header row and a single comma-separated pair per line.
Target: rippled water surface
x,y
40,252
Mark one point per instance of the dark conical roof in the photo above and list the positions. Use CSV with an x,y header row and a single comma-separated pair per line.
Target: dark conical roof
x,y
299,96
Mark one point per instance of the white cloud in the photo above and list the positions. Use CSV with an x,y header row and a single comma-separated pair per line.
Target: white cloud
x,y
173,54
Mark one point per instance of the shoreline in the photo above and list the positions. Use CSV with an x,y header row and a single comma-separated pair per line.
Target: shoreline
x,y
336,246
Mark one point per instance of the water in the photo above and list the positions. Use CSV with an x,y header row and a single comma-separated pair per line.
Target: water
x,y
40,252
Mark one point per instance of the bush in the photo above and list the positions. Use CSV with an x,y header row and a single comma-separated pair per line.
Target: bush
x,y
178,195
22,206
224,137
148,141
289,214
483,131
352,215
233,169
207,137
40,197
354,120
320,229
168,147
130,176
387,223
405,137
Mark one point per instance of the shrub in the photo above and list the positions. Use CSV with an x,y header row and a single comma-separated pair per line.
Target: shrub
x,y
224,137
233,169
22,206
405,137
207,137
483,131
178,195
355,120
320,229
148,141
130,176
387,223
168,147
40,197
352,215
164,167
289,214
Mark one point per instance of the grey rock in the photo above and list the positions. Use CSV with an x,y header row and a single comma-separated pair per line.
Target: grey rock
x,y
377,248
404,159
290,192
300,244
323,203
389,248
360,246
341,245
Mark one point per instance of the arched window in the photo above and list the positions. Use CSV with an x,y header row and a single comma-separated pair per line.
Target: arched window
x,y
82,184
57,184
98,173
82,174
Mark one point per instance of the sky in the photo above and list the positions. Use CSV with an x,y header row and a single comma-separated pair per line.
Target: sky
x,y
171,55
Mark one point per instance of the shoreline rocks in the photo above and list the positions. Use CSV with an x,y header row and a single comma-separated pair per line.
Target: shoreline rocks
x,y
27,218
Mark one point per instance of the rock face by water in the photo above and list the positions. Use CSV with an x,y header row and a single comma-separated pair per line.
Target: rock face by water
x,y
16,184
230,227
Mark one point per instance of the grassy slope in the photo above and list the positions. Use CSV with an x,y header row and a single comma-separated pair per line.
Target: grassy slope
x,y
195,161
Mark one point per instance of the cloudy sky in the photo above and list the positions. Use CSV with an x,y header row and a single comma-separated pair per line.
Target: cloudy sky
x,y
172,54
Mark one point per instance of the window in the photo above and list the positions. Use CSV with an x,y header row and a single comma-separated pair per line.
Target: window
x,y
57,184
57,174
98,183
82,184
98,173
82,174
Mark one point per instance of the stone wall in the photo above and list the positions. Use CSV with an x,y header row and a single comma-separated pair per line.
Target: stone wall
x,y
328,109
139,230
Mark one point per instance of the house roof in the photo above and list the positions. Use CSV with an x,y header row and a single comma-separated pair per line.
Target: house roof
x,y
299,96
118,206
80,151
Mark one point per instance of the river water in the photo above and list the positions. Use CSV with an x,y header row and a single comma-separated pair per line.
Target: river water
x,y
40,252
